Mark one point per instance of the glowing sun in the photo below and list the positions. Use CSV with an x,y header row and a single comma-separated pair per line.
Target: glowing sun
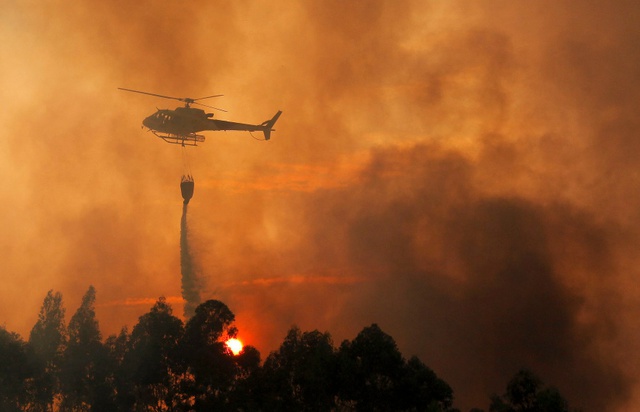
x,y
234,345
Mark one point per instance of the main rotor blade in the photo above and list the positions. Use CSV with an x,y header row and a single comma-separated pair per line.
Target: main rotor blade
x,y
187,100
210,107
208,97
152,94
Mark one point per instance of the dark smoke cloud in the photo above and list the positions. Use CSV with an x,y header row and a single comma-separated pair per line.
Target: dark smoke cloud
x,y
477,285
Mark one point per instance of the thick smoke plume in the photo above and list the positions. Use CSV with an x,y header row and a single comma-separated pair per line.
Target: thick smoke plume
x,y
489,277
462,173
190,282
478,284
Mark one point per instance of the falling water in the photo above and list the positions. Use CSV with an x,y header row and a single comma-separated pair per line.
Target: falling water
x,y
190,289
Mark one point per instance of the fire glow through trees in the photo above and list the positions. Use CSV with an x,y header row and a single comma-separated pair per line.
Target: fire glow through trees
x,y
234,345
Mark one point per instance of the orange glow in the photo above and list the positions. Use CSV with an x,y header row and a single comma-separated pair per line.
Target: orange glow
x,y
234,345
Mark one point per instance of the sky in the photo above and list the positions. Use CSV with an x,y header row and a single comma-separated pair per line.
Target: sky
x,y
462,173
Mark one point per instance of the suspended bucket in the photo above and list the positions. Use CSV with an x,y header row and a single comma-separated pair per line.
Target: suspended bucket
x,y
186,187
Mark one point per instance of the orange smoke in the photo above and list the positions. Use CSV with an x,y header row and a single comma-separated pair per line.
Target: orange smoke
x,y
431,156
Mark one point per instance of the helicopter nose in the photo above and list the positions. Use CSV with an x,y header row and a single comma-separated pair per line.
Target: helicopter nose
x,y
147,122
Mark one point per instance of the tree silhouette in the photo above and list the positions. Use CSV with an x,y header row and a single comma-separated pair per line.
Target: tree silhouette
x,y
165,365
367,374
370,370
117,348
48,340
525,393
300,375
15,372
373,376
421,389
151,363
85,360
207,357
245,394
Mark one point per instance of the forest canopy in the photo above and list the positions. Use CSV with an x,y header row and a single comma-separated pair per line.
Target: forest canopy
x,y
165,364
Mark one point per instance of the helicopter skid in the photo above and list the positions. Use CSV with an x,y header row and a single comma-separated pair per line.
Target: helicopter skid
x,y
184,140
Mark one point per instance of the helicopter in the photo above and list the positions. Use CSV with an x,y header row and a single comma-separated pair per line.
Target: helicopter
x,y
182,125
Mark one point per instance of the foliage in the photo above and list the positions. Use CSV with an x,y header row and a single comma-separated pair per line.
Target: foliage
x,y
366,374
371,370
167,365
423,388
525,393
85,363
48,336
48,341
207,356
14,372
300,375
150,364
373,376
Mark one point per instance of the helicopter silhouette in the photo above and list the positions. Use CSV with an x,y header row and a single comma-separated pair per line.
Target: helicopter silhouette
x,y
182,125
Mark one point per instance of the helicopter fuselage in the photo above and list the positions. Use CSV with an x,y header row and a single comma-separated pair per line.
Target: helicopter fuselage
x,y
185,121
181,122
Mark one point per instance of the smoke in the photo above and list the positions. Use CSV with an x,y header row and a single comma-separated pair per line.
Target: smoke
x,y
462,174
488,277
190,282
477,284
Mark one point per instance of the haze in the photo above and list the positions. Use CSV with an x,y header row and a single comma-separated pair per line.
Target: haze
x,y
464,174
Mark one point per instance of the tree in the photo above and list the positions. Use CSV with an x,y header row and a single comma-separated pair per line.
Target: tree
x,y
117,347
48,339
167,365
245,394
525,393
212,323
371,368
300,374
14,372
48,336
550,400
151,363
85,363
207,356
421,389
